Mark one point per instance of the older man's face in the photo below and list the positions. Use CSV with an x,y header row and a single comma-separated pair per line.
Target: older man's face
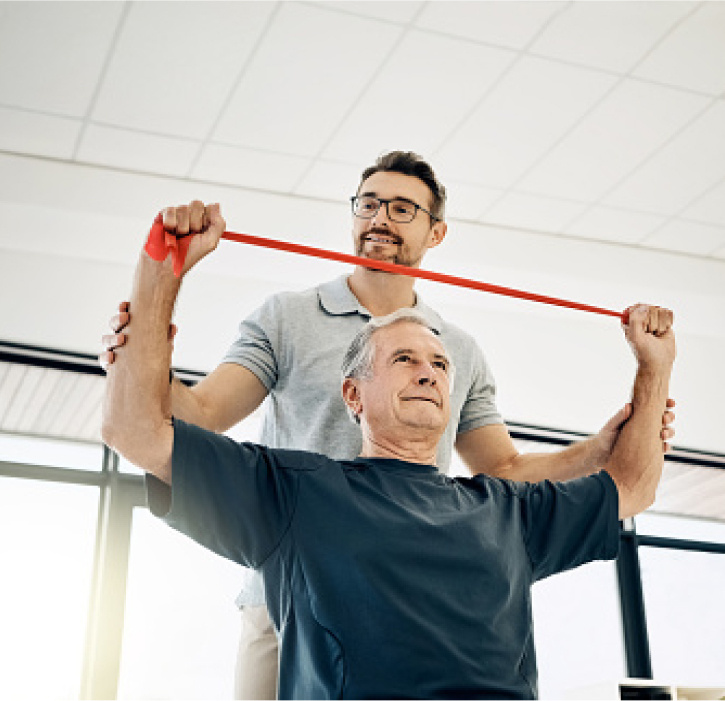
x,y
410,387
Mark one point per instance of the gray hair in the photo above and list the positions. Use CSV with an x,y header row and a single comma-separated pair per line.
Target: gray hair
x,y
360,355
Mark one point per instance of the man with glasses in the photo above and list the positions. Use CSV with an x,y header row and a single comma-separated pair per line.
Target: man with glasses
x,y
289,350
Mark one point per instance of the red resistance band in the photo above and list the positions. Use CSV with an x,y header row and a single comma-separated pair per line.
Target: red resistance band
x,y
179,246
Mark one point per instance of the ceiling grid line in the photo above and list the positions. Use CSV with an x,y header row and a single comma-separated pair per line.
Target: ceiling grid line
x,y
653,154
621,78
514,62
677,216
405,30
662,145
235,85
101,78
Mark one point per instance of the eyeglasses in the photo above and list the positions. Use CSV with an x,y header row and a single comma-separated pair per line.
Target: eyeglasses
x,y
400,211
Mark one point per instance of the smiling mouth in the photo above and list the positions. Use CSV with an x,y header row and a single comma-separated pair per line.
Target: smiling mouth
x,y
383,239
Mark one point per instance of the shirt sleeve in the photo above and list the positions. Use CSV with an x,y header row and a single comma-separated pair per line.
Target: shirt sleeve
x,y
479,408
256,346
567,524
233,498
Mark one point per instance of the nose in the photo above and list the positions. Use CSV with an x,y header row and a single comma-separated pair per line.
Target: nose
x,y
426,375
381,216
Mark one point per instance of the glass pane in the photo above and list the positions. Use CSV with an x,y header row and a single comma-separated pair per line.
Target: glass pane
x,y
50,452
568,608
47,541
182,626
680,527
683,594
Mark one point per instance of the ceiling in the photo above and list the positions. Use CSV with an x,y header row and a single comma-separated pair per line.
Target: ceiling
x,y
593,120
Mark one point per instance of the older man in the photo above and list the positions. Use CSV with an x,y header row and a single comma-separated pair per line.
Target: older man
x,y
385,578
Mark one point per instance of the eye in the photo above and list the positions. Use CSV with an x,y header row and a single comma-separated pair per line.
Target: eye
x,y
441,365
401,207
402,358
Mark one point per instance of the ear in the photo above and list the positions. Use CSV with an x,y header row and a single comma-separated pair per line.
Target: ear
x,y
351,395
438,233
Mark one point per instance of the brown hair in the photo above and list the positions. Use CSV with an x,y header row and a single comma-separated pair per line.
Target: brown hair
x,y
409,163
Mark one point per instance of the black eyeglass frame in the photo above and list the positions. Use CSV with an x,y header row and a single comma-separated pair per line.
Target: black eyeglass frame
x,y
385,202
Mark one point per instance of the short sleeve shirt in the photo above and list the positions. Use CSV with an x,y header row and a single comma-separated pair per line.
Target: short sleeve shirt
x,y
385,578
295,344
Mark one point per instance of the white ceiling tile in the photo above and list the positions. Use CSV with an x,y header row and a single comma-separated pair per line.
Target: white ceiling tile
x,y
687,237
710,208
681,171
331,181
51,53
387,10
176,63
693,56
620,226
467,201
608,35
531,212
38,134
536,103
719,253
511,24
426,88
309,70
120,148
250,168
630,124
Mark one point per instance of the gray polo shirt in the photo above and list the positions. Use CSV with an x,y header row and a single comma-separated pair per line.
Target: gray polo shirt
x,y
295,342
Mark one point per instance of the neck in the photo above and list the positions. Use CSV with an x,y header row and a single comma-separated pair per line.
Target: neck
x,y
381,293
422,451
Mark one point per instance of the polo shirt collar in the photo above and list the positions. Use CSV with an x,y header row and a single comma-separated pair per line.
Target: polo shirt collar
x,y
336,298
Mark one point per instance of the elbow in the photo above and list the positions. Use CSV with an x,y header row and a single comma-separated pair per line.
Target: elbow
x,y
633,501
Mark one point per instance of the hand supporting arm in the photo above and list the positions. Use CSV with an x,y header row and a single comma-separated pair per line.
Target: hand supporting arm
x,y
137,403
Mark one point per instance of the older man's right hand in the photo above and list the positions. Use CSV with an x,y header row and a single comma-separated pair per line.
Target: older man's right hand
x,y
204,223
110,342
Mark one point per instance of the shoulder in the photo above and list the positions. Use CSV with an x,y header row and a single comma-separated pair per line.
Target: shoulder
x,y
455,334
291,299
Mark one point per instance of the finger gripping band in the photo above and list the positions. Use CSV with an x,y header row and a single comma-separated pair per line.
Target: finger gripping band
x,y
164,242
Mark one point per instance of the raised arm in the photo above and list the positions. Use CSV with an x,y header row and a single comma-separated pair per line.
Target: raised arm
x,y
636,461
137,403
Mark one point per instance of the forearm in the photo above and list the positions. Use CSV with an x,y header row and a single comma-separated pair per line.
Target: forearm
x,y
490,450
137,406
577,460
637,460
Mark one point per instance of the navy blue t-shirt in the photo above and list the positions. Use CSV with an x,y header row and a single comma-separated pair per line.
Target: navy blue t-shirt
x,y
388,579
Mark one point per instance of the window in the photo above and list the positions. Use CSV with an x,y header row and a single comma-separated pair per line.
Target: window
x,y
182,625
683,592
47,540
